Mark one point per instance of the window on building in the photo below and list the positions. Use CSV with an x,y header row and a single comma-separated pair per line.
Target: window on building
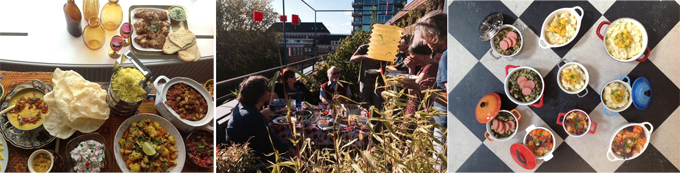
x,y
356,28
366,27
382,8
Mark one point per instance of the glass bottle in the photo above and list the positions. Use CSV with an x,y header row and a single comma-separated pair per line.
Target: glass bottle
x,y
90,9
112,15
73,18
93,34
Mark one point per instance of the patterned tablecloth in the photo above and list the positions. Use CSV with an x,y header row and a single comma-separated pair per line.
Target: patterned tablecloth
x,y
18,157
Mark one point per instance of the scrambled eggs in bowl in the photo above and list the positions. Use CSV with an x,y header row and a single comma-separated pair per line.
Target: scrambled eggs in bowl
x,y
624,40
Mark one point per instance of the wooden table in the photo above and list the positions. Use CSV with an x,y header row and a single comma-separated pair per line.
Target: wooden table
x,y
18,157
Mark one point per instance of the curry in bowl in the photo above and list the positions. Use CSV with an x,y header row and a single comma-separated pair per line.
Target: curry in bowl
x,y
28,110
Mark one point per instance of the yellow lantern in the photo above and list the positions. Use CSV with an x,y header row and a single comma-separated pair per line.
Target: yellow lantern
x,y
384,42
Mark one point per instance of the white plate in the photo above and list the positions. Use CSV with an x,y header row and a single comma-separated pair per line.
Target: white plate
x,y
5,153
134,33
278,119
179,141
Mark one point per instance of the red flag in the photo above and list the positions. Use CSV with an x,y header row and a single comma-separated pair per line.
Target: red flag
x,y
295,19
283,18
257,16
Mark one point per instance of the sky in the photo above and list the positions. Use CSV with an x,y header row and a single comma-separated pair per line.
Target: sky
x,y
336,22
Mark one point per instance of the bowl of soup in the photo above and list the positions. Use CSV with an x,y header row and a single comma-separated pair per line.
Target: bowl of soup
x,y
29,108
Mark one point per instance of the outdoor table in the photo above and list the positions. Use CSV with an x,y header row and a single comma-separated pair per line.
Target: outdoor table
x,y
18,158
318,136
473,73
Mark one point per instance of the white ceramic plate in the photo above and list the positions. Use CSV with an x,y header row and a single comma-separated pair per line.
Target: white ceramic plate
x,y
179,142
134,33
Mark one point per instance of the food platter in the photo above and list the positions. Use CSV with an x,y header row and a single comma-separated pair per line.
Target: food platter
x,y
645,133
26,139
135,32
168,113
171,130
571,11
174,26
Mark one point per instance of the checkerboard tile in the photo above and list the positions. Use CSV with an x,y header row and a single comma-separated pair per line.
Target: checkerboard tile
x,y
474,79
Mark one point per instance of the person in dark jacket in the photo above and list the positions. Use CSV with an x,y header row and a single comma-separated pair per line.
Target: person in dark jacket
x,y
331,88
249,119
291,87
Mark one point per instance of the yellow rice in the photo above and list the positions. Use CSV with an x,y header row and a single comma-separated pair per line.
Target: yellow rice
x,y
125,84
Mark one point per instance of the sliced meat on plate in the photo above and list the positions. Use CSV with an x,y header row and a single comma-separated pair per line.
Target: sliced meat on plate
x,y
512,124
521,79
514,41
511,34
530,84
526,91
494,124
504,45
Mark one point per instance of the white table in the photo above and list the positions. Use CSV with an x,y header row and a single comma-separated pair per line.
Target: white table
x,y
49,44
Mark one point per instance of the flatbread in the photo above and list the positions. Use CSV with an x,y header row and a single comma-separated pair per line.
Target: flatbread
x,y
182,38
53,119
170,48
198,54
188,55
74,104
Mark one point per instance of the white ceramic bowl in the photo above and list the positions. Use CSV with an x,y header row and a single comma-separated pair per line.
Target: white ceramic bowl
x,y
554,14
585,86
167,112
507,91
521,37
564,125
490,133
645,39
630,96
35,154
547,156
179,142
648,135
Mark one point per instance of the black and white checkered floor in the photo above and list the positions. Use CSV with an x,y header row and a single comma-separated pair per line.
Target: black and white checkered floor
x,y
474,73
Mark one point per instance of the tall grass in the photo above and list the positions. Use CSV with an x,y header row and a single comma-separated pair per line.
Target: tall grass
x,y
401,143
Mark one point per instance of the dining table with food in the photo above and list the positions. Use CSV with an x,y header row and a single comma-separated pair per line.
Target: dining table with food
x,y
81,129
321,123
584,89
122,114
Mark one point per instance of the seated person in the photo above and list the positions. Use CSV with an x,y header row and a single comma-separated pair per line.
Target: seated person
x,y
248,122
291,87
330,88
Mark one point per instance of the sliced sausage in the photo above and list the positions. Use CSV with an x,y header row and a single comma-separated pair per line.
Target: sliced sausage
x,y
530,84
512,124
526,91
521,85
521,79
511,34
494,124
504,45
514,41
